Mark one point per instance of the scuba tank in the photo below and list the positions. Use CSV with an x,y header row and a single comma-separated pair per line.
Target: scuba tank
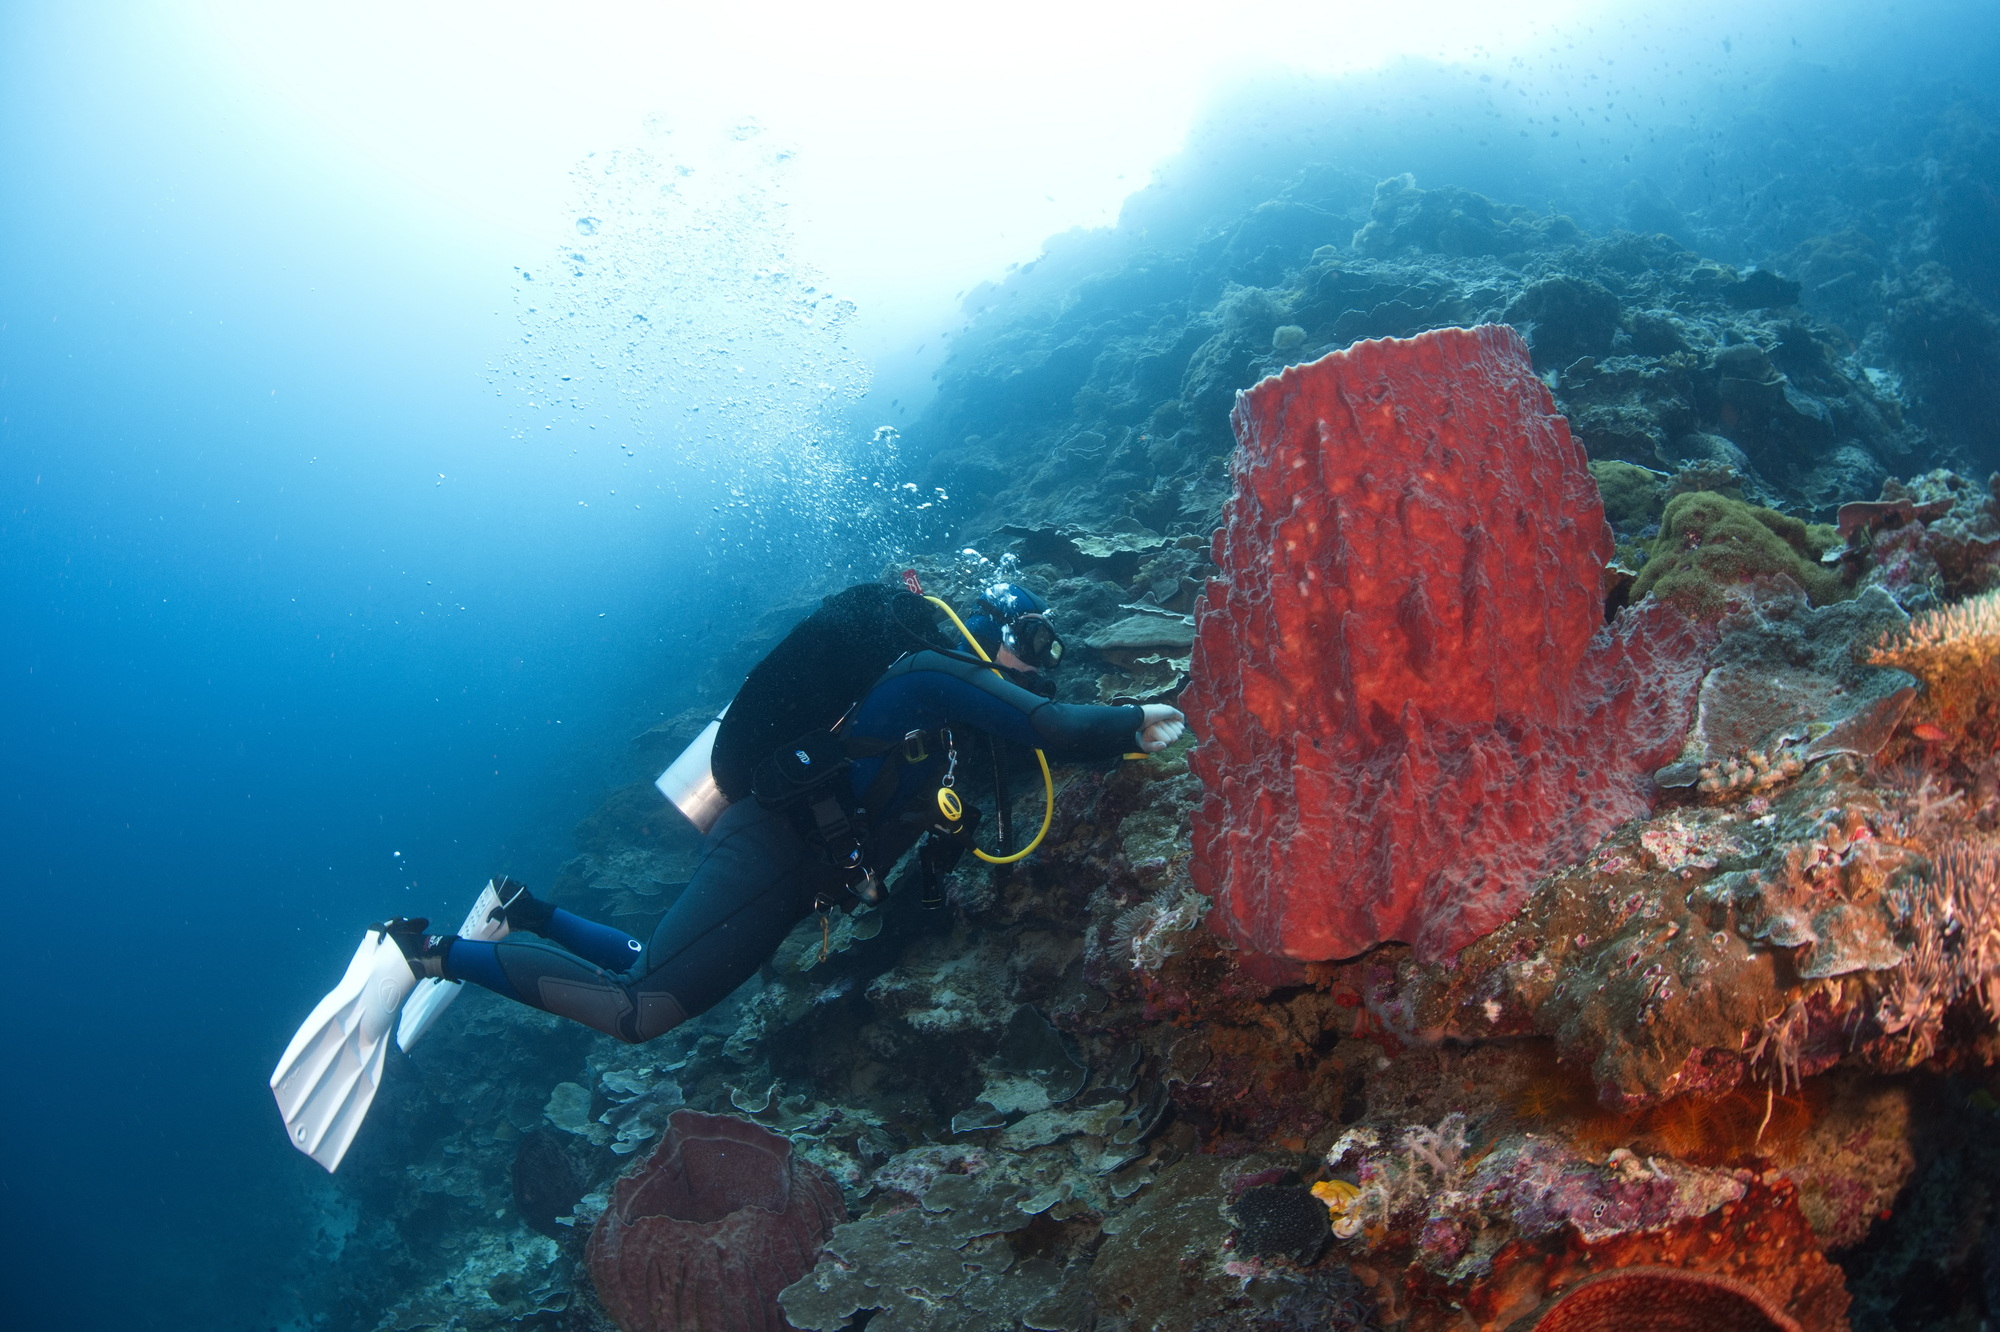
x,y
690,783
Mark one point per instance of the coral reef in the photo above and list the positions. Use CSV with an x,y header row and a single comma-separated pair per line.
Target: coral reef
x,y
1933,538
1530,1218
702,1239
1110,405
1733,1028
1398,700
1770,938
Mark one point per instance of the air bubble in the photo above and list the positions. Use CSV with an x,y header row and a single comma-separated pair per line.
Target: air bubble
x,y
587,226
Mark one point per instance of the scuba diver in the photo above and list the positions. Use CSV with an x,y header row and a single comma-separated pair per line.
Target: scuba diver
x,y
840,753
817,826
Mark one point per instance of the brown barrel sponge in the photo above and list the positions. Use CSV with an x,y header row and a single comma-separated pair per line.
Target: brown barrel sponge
x,y
702,1237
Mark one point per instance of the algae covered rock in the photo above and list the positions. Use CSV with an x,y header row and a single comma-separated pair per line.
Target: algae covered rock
x,y
1709,543
1633,495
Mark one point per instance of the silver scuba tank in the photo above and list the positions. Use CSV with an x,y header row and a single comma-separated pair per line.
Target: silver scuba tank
x,y
690,784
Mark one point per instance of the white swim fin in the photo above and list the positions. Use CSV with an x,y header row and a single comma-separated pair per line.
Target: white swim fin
x,y
328,1076
432,997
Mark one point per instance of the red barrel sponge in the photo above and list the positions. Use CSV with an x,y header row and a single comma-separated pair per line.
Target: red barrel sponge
x,y
703,1236
1410,703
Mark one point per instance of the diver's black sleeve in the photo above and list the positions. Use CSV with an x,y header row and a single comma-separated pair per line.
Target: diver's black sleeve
x,y
1082,732
928,690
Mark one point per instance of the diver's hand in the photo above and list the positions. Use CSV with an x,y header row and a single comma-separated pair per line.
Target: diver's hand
x,y
1162,726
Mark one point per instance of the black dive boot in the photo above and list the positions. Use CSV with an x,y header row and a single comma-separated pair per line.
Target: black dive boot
x,y
424,952
521,909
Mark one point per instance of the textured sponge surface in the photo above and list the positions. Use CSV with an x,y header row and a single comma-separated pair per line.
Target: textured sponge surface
x,y
1409,702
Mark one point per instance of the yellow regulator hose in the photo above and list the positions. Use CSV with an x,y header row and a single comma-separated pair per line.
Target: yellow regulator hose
x,y
1048,779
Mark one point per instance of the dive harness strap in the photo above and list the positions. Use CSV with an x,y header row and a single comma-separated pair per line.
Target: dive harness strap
x,y
806,780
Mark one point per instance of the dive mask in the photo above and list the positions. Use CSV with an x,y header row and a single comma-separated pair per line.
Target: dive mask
x,y
1034,640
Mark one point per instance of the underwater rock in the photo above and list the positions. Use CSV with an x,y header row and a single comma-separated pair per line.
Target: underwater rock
x,y
550,1178
1398,709
703,1237
1453,221
1032,1048
940,1265
1783,673
1630,408
1166,1263
1710,544
1565,319
494,1280
1947,342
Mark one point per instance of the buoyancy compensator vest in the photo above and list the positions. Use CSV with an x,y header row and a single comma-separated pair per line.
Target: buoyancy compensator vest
x,y
815,674
777,741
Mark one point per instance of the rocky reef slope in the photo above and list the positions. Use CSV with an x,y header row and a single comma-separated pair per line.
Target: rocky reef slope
x,y
1733,1056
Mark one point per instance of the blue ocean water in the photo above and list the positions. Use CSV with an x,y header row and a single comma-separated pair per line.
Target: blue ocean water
x,y
320,603
309,620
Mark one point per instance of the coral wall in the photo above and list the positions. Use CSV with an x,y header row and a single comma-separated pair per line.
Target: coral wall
x,y
1409,701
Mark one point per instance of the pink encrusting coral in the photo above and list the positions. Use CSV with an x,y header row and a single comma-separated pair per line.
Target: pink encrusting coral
x,y
1410,703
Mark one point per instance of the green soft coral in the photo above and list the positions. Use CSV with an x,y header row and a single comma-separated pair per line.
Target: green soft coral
x,y
1709,543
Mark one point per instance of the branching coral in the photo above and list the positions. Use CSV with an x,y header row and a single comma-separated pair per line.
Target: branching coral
x,y
1955,651
1954,914
1926,800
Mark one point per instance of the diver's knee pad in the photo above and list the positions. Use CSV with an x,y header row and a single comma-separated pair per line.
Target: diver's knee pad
x,y
659,1012
595,1004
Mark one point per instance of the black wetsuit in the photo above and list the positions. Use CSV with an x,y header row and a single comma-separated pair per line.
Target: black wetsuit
x,y
757,877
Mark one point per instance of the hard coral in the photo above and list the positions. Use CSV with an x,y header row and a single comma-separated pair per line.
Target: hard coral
x,y
1955,651
704,1236
1412,706
1709,543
